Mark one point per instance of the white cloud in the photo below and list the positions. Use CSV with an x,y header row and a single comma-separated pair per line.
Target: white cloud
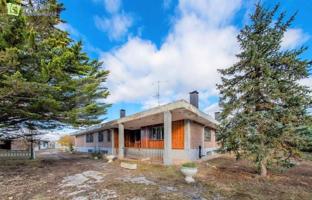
x,y
215,12
69,29
188,59
294,38
211,109
307,82
112,6
201,41
115,26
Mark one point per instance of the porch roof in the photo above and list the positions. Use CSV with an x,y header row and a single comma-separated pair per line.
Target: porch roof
x,y
180,110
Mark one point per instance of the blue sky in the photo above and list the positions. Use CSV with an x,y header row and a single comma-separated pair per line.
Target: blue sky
x,y
180,43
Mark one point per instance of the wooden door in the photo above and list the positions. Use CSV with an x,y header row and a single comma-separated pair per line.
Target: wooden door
x,y
178,134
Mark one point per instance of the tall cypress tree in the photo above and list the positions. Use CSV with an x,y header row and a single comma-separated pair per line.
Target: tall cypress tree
x,y
264,107
44,75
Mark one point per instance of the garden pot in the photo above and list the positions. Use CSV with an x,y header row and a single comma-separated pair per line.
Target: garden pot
x,y
110,158
189,173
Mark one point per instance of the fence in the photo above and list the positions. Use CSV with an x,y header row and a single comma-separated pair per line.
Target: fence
x,y
141,153
14,154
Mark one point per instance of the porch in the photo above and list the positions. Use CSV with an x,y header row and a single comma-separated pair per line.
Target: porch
x,y
146,143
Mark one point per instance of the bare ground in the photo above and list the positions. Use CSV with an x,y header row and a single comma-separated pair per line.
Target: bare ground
x,y
56,175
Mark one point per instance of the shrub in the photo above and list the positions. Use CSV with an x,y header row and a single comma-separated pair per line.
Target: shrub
x,y
189,165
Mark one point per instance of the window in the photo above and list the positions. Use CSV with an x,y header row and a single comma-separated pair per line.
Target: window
x,y
101,137
89,138
156,133
207,134
108,136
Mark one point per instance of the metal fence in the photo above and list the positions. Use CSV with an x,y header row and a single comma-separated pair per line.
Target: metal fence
x,y
142,153
14,154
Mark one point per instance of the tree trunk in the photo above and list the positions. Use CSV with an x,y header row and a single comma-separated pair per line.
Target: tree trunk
x,y
263,168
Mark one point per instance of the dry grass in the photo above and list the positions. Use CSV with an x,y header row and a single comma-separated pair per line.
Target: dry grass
x,y
219,178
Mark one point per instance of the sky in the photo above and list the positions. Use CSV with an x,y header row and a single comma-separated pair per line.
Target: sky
x,y
178,43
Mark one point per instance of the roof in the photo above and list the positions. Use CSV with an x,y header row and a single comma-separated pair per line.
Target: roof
x,y
181,110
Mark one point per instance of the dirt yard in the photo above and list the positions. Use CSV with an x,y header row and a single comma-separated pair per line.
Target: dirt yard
x,y
70,176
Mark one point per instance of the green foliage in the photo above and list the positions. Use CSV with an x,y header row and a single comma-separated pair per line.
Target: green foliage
x,y
189,165
264,107
44,75
306,134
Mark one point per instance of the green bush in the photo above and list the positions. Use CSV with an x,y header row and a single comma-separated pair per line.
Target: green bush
x,y
189,165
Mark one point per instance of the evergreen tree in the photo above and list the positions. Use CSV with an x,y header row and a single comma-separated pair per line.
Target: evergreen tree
x,y
44,75
264,107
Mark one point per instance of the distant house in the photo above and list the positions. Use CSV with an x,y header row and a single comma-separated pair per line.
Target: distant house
x,y
172,133
23,144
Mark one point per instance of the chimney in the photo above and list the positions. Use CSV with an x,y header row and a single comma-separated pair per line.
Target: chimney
x,y
217,116
194,98
122,113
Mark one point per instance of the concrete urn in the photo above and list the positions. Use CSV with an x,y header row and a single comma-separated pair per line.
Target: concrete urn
x,y
189,172
110,158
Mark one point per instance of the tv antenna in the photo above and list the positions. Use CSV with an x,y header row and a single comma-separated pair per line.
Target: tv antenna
x,y
158,90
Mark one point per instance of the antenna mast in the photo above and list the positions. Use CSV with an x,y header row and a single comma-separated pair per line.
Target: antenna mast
x,y
158,91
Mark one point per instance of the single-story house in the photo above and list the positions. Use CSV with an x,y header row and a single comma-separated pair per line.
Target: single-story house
x,y
23,144
172,133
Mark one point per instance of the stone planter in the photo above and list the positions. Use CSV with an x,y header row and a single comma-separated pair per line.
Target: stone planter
x,y
189,172
110,158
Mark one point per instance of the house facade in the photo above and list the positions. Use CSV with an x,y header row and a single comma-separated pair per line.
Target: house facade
x,y
172,133
22,144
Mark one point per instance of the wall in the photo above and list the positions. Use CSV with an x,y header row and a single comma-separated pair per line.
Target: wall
x,y
20,144
82,146
196,135
105,142
213,142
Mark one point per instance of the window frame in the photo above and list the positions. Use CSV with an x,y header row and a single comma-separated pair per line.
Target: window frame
x,y
101,136
205,134
109,136
89,138
156,133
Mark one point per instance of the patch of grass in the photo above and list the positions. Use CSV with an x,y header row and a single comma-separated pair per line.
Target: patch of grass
x,y
160,172
189,165
307,156
20,163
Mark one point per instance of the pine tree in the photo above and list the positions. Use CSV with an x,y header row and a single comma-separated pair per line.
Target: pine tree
x,y
44,75
264,107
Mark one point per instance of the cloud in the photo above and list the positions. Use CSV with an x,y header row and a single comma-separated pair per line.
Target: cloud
x,y
294,38
199,43
116,26
112,6
214,12
211,109
69,29
307,82
118,22
201,40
